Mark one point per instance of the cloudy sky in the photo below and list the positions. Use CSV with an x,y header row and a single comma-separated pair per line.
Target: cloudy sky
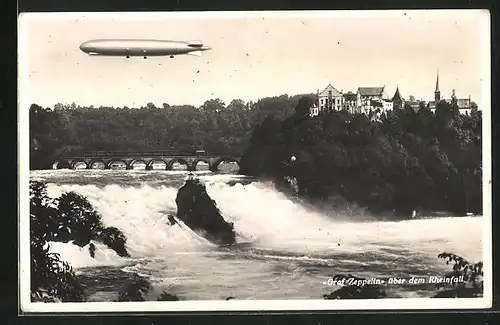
x,y
254,56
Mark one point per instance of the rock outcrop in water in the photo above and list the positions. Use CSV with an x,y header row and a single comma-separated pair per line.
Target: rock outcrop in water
x,y
200,213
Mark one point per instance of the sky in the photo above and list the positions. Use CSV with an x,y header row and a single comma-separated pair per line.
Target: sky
x,y
255,55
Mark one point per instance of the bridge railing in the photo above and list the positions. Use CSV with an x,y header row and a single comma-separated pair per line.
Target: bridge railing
x,y
128,153
138,153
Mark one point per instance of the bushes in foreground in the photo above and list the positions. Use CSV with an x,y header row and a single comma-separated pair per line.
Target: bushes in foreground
x,y
472,274
71,218
139,288
52,280
67,218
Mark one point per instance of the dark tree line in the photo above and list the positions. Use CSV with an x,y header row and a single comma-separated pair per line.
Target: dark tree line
x,y
425,161
214,127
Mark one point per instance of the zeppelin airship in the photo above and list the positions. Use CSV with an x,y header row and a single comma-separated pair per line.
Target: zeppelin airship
x,y
144,48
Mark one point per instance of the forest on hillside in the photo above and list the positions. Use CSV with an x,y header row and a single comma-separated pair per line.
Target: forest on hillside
x,y
404,161
214,126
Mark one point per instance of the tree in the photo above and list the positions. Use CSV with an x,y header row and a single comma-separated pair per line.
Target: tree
x,y
150,106
237,105
303,107
213,106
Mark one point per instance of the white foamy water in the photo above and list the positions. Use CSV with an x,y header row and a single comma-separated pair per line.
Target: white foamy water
x,y
270,219
282,251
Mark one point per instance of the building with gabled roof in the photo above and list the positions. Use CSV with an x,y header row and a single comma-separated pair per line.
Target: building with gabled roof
x,y
371,91
330,99
373,99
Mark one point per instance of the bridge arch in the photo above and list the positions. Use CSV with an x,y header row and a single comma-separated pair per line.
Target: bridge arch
x,y
75,162
196,161
215,166
130,165
151,163
110,163
91,163
62,164
181,161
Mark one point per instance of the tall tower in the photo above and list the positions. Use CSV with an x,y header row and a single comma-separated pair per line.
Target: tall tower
x,y
397,99
437,93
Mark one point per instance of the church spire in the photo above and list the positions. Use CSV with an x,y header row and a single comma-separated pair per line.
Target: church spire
x,y
437,93
437,82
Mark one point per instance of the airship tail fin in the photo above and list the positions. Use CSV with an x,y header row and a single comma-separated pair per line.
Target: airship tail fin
x,y
195,53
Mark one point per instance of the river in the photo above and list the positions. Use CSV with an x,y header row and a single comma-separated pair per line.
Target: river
x,y
283,250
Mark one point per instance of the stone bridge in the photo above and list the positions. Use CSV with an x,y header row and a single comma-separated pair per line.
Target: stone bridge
x,y
110,160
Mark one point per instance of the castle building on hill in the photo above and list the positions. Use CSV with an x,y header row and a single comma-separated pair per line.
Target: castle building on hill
x,y
330,99
368,100
372,100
